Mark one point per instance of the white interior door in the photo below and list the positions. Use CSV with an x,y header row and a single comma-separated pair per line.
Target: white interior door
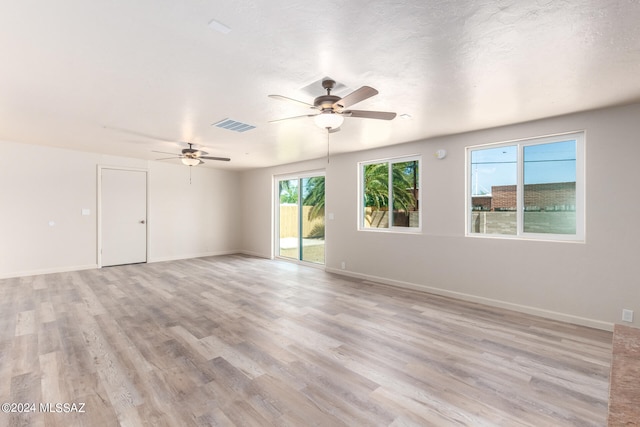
x,y
123,216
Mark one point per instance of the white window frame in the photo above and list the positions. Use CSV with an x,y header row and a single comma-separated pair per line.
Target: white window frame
x,y
361,207
579,236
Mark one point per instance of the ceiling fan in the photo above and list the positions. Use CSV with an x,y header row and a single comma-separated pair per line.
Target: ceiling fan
x,y
333,109
191,156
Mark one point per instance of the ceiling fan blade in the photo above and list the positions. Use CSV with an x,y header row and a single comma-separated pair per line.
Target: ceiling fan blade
x,y
286,98
289,118
169,158
381,115
223,159
141,134
334,130
356,96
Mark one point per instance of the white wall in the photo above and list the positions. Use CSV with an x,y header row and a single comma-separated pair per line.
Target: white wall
x,y
43,184
38,186
585,283
192,219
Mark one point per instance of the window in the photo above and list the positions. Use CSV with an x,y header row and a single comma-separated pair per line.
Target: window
x,y
531,188
389,194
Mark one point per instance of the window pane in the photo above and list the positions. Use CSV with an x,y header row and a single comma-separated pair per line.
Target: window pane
x,y
289,229
376,195
405,194
494,178
550,188
313,219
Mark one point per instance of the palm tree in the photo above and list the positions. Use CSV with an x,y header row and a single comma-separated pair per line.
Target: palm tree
x,y
313,195
376,188
404,183
376,185
289,191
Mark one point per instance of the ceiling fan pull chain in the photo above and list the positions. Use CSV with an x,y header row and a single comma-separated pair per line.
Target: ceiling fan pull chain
x,y
327,145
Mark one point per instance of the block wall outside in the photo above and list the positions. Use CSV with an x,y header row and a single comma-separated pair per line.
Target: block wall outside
x,y
504,222
377,218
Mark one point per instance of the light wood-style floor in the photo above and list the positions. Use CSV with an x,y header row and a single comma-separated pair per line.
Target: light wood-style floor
x,y
242,341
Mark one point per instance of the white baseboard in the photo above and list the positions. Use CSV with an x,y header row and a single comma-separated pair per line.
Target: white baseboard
x,y
548,314
48,271
92,266
189,256
255,254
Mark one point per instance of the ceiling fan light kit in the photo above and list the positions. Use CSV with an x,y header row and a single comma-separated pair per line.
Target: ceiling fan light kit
x,y
190,162
328,120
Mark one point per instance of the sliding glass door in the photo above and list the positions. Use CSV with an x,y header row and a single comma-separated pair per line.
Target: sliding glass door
x,y
300,218
288,227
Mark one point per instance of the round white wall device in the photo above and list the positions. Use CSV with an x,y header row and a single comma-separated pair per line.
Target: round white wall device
x,y
440,154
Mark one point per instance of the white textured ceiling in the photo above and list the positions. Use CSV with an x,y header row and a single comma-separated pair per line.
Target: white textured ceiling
x,y
127,77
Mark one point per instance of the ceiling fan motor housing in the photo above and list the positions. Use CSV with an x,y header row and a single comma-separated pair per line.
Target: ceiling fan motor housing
x,y
325,102
190,152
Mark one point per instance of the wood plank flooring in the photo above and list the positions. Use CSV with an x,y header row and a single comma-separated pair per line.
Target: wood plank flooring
x,y
624,391
242,341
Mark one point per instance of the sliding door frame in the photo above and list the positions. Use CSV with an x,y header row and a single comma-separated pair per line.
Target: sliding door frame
x,y
299,176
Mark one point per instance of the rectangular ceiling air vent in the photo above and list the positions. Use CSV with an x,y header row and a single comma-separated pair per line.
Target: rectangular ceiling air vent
x,y
233,125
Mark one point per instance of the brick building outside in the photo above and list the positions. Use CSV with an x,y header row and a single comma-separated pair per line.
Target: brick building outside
x,y
557,196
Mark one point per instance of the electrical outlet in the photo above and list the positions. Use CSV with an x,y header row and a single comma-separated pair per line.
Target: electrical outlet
x,y
627,315
343,265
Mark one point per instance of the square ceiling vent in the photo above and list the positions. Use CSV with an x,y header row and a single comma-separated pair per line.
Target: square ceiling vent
x,y
233,125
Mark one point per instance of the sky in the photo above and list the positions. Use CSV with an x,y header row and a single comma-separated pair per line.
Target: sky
x,y
543,163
